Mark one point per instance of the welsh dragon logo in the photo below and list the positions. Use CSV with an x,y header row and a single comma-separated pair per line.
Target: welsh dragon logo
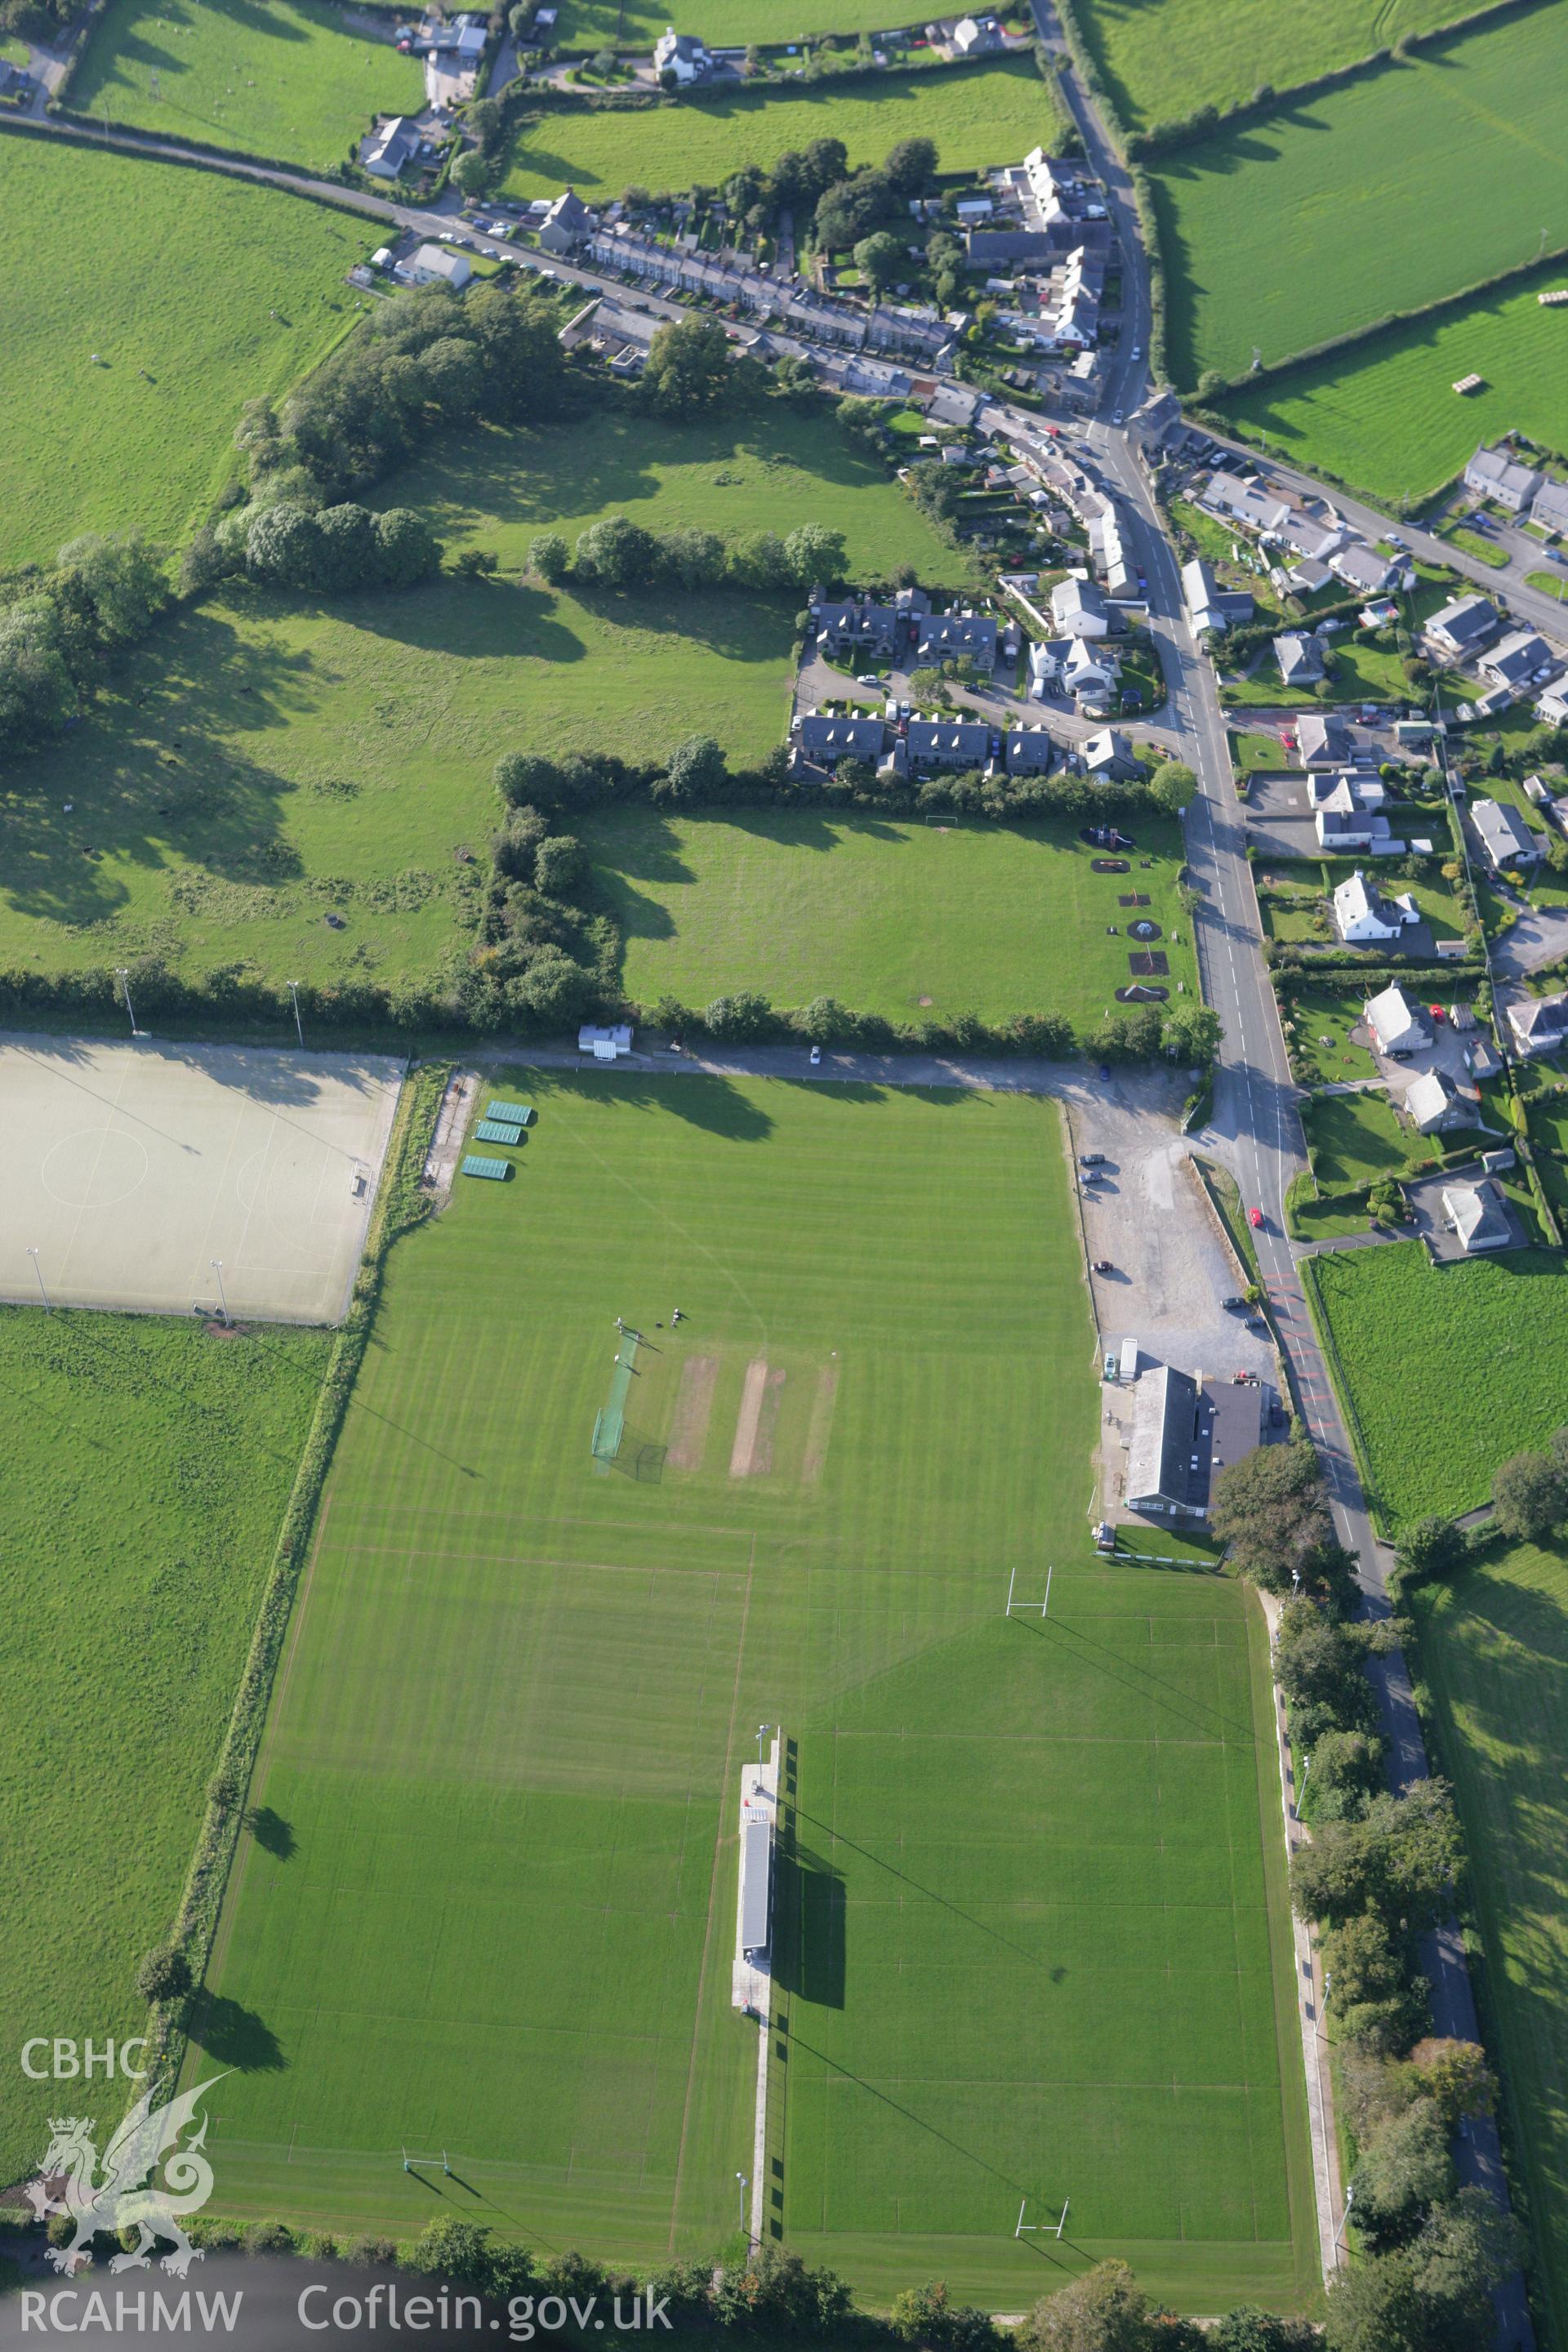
x,y
125,2196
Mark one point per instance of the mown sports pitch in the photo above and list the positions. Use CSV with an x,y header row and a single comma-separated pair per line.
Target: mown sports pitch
x,y
1026,1940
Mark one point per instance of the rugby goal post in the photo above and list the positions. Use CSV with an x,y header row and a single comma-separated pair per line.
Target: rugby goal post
x,y
413,2159
1028,1608
1054,2228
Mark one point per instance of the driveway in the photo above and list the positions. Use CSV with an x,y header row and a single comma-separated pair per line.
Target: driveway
x,y
1539,937
1426,1200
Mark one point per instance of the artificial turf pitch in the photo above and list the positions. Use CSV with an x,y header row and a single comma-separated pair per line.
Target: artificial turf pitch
x,y
1026,1917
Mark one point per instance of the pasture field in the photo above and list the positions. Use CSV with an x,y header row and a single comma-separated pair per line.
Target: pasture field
x,y
1384,418
977,116
766,470
148,1463
1451,1367
1494,1658
1031,1870
889,916
257,764
1160,59
634,25
1433,173
193,291
285,78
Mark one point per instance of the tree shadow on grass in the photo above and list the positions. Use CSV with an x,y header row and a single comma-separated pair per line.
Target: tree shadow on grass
x,y
272,1833
236,2037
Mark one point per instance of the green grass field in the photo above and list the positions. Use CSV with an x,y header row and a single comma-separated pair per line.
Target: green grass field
x,y
1494,1657
1451,1367
172,277
889,916
286,78
992,114
147,1468
1420,179
257,763
1026,1928
1384,418
635,24
1160,59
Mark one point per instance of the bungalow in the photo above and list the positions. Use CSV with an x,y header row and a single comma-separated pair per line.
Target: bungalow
x,y
1078,609
389,147
1028,750
1300,656
1514,660
1107,757
1308,576
1323,740
680,54
1463,627
1210,606
566,223
854,627
1506,840
1355,789
1364,917
1551,708
949,742
1493,474
436,261
1360,566
1540,1023
1312,540
1477,1216
1548,509
1343,828
1434,1102
1227,494
826,737
945,637
1398,1027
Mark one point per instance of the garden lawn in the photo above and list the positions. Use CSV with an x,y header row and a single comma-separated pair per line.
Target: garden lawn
x,y
1451,1367
1494,1658
1030,1884
893,917
280,78
977,116
193,291
1356,1138
147,1468
1384,416
260,762
1160,59
1434,174
1325,1014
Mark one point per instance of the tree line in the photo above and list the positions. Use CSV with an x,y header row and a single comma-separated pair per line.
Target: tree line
x,y
1382,1870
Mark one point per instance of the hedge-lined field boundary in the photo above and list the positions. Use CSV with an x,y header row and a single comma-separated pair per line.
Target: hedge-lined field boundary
x,y
400,1206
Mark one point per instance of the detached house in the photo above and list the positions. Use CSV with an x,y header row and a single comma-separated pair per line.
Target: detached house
x,y
1078,609
1210,607
1477,1216
1300,656
681,54
1540,1023
1506,840
1364,917
1463,627
1493,474
1434,1102
1515,659
1398,1027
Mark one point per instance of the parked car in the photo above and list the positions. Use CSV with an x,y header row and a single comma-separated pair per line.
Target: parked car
x,y
1091,1160
1103,1266
1233,1301
1094,1177
867,678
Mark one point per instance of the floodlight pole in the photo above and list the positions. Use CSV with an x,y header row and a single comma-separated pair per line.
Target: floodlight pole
x,y
761,1735
38,1270
299,1025
124,976
740,2178
216,1265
